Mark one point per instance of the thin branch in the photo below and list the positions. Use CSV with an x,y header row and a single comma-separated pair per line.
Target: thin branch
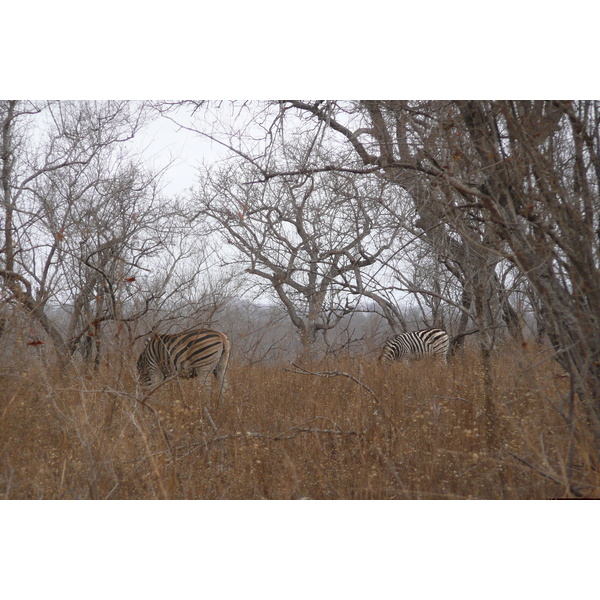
x,y
576,491
302,371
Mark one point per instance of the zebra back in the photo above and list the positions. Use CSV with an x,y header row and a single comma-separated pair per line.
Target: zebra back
x,y
188,354
416,344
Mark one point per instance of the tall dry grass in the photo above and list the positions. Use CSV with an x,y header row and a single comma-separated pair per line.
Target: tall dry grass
x,y
388,432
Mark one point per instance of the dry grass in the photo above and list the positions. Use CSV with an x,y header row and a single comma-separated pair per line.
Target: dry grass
x,y
420,432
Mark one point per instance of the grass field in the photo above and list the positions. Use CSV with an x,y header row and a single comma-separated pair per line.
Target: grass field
x,y
347,430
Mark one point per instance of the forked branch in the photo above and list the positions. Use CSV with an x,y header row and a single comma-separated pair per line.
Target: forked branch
x,y
380,410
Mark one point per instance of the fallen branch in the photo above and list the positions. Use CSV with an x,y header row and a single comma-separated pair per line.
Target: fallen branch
x,y
302,371
288,434
380,410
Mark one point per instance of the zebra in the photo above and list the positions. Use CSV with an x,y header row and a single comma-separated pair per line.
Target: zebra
x,y
416,344
188,354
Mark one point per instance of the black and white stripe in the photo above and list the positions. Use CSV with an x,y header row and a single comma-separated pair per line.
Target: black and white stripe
x,y
197,353
416,344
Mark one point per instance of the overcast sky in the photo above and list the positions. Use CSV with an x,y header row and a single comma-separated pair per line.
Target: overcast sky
x,y
162,141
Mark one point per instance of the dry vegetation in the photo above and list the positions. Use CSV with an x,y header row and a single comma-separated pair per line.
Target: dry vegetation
x,y
393,432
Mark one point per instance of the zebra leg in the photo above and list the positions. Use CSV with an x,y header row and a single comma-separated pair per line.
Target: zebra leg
x,y
220,375
220,370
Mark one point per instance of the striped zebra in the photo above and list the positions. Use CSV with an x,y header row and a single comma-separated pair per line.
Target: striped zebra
x,y
416,344
200,352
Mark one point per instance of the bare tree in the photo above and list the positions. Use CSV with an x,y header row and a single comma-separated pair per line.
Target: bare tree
x,y
307,238
85,228
539,167
514,181
41,141
493,186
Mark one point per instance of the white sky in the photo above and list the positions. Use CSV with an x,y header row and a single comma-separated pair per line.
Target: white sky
x,y
163,141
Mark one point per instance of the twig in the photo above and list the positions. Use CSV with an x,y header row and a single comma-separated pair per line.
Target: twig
x,y
380,409
302,371
576,491
452,398
288,434
210,419
318,418
390,467
301,428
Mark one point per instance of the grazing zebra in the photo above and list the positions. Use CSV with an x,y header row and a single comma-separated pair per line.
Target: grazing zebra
x,y
199,352
416,344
